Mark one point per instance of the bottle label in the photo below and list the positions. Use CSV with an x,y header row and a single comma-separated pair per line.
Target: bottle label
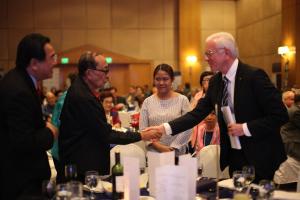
x,y
120,183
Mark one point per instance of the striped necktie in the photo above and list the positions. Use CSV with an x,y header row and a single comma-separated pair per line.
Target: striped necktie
x,y
225,91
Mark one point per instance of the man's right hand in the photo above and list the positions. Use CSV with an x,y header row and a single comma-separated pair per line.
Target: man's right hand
x,y
153,132
53,129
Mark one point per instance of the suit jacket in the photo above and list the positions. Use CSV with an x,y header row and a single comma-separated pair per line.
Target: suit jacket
x,y
290,132
85,135
24,137
256,102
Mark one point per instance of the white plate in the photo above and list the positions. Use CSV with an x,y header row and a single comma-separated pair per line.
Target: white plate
x,y
146,198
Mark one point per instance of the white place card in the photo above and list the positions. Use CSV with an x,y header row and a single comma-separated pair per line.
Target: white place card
x,y
156,160
190,167
171,182
131,178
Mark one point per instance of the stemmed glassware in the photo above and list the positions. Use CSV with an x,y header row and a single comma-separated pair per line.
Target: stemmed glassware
x,y
249,174
267,189
48,189
238,180
63,191
91,180
70,172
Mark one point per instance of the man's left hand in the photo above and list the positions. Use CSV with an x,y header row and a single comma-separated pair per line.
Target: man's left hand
x,y
235,129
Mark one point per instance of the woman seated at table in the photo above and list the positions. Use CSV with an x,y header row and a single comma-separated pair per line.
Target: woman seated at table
x,y
206,133
112,115
162,107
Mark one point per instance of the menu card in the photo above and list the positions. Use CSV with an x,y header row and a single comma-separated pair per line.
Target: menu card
x,y
171,183
190,168
131,178
156,160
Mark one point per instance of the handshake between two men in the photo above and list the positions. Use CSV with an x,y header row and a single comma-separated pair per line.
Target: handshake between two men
x,y
153,133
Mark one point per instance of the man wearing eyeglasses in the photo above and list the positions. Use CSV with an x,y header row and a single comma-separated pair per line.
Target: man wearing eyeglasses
x,y
25,136
85,135
251,99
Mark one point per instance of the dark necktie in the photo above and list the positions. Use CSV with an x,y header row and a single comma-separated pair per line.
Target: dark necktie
x,y
225,91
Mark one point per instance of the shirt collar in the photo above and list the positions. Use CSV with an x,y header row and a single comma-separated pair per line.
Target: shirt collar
x,y
230,75
34,81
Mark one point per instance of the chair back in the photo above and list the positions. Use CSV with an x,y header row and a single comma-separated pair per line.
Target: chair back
x,y
209,157
129,150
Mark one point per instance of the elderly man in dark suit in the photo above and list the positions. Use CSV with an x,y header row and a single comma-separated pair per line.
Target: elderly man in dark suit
x,y
254,103
25,137
85,135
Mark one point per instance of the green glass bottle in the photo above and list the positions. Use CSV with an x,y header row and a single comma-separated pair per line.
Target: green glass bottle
x,y
117,178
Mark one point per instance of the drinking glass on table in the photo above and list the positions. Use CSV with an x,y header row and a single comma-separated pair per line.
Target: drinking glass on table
x,y
76,188
267,189
91,180
48,188
238,180
70,172
63,191
249,174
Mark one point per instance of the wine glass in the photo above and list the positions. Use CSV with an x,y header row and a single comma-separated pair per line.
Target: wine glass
x,y
91,180
48,188
70,172
238,180
76,188
249,173
267,189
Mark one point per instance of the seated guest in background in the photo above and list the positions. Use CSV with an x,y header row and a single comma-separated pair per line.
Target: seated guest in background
x,y
119,101
206,133
288,98
139,96
49,106
290,132
56,122
163,106
131,101
25,137
112,116
204,82
251,98
85,135
198,129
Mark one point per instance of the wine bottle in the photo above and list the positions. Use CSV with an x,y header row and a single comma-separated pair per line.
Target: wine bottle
x,y
117,178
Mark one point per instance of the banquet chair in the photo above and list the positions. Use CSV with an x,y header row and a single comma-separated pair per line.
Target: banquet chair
x,y
209,157
129,150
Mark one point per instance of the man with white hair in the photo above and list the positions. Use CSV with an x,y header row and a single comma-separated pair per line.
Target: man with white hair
x,y
288,98
254,103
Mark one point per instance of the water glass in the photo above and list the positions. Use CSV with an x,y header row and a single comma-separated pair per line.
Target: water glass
x,y
70,172
63,191
76,188
238,180
48,188
91,180
249,173
267,189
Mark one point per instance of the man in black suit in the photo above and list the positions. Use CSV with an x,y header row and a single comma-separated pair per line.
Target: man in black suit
x,y
85,135
25,137
254,102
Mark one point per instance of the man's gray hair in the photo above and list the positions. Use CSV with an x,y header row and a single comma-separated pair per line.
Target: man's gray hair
x,y
224,39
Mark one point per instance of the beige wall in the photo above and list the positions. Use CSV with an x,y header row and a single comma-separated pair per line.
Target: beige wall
x,y
216,16
139,28
258,31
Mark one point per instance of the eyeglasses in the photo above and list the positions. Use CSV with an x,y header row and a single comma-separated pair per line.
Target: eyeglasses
x,y
105,71
209,53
